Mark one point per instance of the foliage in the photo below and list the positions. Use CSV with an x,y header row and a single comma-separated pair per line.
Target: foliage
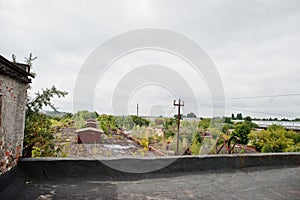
x,y
139,120
215,133
28,59
67,116
124,122
38,135
145,143
169,123
226,128
43,99
84,114
191,115
154,139
232,116
196,144
107,123
204,123
188,129
181,116
248,118
81,116
227,120
208,146
275,139
169,133
242,129
239,116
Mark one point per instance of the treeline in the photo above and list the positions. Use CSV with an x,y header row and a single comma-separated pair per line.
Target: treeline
x,y
239,116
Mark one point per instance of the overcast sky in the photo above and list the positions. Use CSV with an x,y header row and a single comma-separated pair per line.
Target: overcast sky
x,y
255,46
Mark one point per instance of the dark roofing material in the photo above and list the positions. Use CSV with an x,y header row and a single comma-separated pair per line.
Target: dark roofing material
x,y
18,71
245,176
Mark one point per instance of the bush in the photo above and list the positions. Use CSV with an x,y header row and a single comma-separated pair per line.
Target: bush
x,y
274,139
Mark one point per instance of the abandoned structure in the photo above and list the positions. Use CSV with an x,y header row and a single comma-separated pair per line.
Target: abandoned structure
x,y
14,82
91,134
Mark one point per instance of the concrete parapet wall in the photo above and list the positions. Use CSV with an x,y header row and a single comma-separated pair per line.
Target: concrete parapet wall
x,y
66,168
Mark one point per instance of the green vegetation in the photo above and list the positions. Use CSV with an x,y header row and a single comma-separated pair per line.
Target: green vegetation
x,y
204,123
275,139
42,130
139,120
197,137
38,134
107,123
242,129
81,116
191,115
196,144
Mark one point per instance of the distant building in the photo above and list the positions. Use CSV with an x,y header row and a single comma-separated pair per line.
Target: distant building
x,y
14,82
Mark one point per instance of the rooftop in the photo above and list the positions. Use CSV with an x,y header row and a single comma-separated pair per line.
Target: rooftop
x,y
245,176
18,71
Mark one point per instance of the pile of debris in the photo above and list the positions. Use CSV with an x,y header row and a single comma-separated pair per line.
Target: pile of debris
x,y
91,141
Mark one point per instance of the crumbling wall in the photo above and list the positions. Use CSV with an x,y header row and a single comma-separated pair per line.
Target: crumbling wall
x,y
12,121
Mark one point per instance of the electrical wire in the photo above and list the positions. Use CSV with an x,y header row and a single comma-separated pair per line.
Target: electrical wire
x,y
249,111
250,97
264,96
171,111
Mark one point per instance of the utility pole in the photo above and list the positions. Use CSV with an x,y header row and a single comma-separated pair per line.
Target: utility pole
x,y
137,109
178,128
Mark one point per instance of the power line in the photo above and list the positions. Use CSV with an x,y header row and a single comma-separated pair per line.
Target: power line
x,y
250,111
171,111
251,97
264,96
260,112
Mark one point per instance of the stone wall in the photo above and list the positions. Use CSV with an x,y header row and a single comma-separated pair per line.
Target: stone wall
x,y
12,121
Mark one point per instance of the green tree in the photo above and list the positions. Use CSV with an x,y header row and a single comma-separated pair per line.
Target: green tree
x,y
239,116
204,123
107,123
140,121
80,117
227,120
181,116
274,139
38,135
232,116
169,123
196,144
248,118
226,128
191,115
242,129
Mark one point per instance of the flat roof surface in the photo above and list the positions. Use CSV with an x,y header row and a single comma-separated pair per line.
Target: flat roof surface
x,y
247,183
